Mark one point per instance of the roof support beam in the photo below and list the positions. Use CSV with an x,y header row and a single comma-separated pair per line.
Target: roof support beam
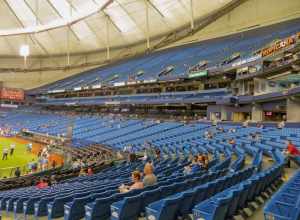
x,y
192,14
37,20
131,18
68,26
32,38
107,38
147,24
88,25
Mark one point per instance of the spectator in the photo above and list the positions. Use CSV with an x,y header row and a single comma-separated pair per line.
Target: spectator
x,y
145,157
281,125
292,153
157,153
215,122
34,166
82,172
52,180
195,167
137,183
149,178
75,165
260,125
90,171
246,124
18,172
206,161
232,130
132,157
53,164
232,142
42,184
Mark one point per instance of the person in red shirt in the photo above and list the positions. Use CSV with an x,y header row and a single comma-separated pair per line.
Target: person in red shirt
x,y
90,171
292,152
42,184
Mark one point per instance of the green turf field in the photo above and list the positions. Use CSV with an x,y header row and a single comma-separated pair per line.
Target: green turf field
x,y
20,157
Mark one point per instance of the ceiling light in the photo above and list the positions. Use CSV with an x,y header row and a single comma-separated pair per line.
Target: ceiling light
x,y
24,50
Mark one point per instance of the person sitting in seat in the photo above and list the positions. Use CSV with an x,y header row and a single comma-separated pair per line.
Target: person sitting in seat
x,y
232,142
205,161
149,177
245,124
137,183
281,125
42,184
90,171
195,167
82,172
292,153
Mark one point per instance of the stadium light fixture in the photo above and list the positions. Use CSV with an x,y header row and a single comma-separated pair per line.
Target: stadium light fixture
x,y
24,50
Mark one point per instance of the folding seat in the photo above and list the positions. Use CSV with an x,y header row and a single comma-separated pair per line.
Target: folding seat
x,y
18,205
218,187
233,203
56,208
281,211
3,202
100,208
166,190
285,198
201,194
259,186
40,207
243,198
127,209
212,210
10,204
75,210
165,209
179,187
189,183
185,204
150,197
28,205
213,188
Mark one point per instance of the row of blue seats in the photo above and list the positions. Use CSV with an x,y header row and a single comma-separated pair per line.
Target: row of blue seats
x,y
285,204
226,204
132,207
179,58
181,204
100,208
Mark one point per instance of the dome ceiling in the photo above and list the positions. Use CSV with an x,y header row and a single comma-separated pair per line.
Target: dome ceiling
x,y
52,27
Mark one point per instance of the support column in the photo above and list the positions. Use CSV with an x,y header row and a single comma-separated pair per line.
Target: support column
x,y
257,113
219,112
223,113
293,109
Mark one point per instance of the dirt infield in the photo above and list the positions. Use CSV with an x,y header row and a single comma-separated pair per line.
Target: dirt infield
x,y
36,147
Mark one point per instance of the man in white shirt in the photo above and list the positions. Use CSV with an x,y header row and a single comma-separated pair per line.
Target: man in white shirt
x,y
4,153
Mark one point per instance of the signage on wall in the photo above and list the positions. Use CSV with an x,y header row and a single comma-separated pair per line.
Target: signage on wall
x,y
12,94
198,74
277,46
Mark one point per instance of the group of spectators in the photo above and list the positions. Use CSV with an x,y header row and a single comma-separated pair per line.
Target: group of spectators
x,y
45,182
141,180
198,162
